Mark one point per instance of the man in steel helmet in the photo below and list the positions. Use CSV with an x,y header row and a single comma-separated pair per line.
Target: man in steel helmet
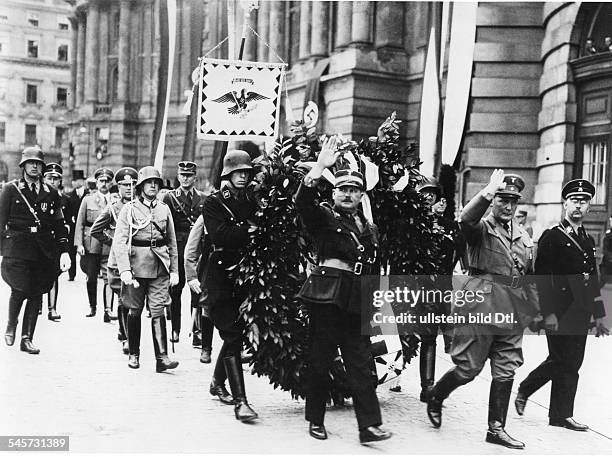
x,y
144,246
32,236
227,214
103,229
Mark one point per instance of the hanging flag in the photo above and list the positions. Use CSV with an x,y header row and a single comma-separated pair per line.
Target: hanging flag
x,y
459,77
239,100
430,108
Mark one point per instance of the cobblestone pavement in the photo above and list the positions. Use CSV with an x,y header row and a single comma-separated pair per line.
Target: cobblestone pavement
x,y
81,386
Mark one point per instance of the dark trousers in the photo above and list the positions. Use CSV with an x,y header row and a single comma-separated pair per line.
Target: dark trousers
x,y
72,251
90,265
330,328
565,356
33,305
231,334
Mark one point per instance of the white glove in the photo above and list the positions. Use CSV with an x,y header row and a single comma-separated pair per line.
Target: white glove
x,y
194,285
174,279
128,279
65,261
81,250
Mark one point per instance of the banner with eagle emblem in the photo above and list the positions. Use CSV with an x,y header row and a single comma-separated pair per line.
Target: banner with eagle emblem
x,y
239,100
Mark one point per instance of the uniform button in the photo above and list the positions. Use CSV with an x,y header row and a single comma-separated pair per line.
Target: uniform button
x,y
568,244
322,272
338,230
220,262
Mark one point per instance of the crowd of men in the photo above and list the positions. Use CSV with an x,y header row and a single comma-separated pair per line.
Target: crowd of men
x,y
147,245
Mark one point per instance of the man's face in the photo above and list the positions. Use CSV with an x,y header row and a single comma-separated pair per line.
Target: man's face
x,y
239,178
150,188
125,191
439,207
576,207
78,183
186,181
430,197
103,184
521,218
504,207
347,197
53,181
33,169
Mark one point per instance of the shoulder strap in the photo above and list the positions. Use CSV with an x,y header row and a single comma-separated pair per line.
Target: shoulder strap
x,y
32,211
569,237
227,208
181,207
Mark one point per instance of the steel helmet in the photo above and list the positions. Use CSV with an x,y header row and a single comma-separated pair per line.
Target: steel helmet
x,y
430,184
236,160
149,172
32,153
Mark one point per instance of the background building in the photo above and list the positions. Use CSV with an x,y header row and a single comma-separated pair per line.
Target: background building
x,y
539,97
34,79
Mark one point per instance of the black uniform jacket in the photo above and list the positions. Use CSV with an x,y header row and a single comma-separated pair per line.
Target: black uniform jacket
x,y
184,213
21,236
225,218
566,277
74,203
336,236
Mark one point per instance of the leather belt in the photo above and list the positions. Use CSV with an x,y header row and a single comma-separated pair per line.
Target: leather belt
x,y
33,229
151,243
514,282
353,267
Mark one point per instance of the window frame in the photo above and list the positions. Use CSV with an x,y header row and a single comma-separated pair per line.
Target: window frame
x,y
579,169
57,101
27,93
2,132
33,16
25,134
37,42
59,46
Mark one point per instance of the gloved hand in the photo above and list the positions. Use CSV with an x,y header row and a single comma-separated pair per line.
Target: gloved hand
x,y
174,279
128,279
65,261
194,285
551,322
536,324
81,250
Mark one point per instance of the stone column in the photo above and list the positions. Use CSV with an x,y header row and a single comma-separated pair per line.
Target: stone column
x,y
344,18
250,47
124,51
389,25
80,82
103,57
74,24
319,38
91,53
305,29
263,29
362,20
277,29
148,50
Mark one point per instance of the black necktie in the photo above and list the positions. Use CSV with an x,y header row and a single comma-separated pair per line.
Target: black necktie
x,y
34,189
582,234
188,200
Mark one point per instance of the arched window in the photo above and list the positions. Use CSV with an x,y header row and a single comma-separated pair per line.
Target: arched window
x,y
597,29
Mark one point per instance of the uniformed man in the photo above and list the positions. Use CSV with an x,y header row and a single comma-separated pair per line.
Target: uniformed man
x,y
75,197
53,178
94,255
32,237
103,229
228,215
450,251
186,203
346,246
144,249
568,286
500,258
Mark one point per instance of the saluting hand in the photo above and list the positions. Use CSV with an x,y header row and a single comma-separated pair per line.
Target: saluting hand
x,y
65,261
329,153
496,182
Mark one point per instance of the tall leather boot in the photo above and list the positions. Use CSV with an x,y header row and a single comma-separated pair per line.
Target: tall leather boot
x,y
499,398
235,377
196,330
15,302
207,337
92,295
30,316
427,366
122,314
133,335
108,297
440,392
160,345
52,302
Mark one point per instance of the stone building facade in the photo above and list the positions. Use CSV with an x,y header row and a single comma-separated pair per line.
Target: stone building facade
x,y
34,80
539,105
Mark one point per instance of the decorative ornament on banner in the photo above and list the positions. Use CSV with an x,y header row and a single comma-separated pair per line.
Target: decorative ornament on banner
x,y
239,100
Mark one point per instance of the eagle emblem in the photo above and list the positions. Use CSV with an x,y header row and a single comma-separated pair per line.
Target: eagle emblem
x,y
239,100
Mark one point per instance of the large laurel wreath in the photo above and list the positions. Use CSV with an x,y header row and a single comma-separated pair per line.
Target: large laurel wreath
x,y
273,270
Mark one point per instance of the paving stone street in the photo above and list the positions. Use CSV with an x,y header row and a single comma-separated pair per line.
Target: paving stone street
x,y
80,386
